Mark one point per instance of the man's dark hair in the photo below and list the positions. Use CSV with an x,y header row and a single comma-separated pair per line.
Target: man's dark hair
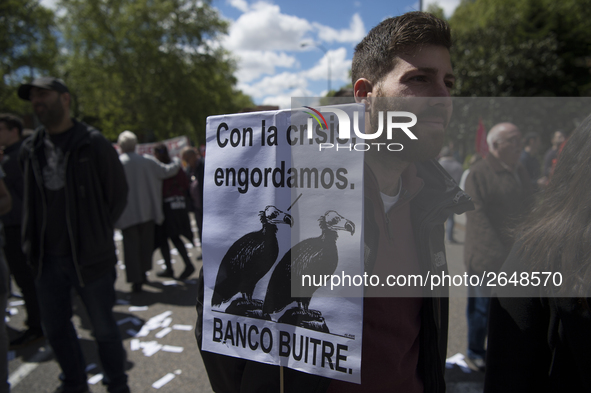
x,y
12,121
161,153
374,55
529,137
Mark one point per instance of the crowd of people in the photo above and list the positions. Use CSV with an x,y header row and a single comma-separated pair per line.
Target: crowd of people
x,y
69,190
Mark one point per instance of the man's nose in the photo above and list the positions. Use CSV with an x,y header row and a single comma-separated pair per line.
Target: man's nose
x,y
443,101
440,89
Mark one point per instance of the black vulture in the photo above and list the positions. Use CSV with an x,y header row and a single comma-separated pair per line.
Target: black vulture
x,y
314,256
249,258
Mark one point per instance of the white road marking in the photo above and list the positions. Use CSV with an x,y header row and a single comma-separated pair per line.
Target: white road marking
x,y
27,367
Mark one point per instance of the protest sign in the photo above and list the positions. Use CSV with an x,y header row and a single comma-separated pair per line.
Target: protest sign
x,y
174,146
277,208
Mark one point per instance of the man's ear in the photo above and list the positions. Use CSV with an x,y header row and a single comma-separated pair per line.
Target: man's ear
x,y
362,89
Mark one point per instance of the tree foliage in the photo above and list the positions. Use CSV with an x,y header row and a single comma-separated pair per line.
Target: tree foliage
x,y
28,45
435,9
522,49
529,48
150,66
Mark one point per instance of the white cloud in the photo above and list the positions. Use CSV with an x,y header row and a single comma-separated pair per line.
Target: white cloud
x,y
264,27
353,34
242,5
283,101
449,6
339,66
265,41
253,64
275,85
278,89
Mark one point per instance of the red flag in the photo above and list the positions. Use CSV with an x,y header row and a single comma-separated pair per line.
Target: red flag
x,y
481,145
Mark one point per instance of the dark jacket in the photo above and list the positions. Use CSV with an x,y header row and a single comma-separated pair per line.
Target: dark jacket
x,y
14,184
96,194
196,177
430,208
532,166
500,204
537,344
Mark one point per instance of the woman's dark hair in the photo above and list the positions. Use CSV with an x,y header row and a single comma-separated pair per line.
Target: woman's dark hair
x,y
557,234
161,153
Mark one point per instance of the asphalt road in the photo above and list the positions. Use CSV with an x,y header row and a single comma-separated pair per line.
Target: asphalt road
x,y
168,307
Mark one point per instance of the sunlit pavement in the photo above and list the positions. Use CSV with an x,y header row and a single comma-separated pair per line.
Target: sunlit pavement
x,y
459,378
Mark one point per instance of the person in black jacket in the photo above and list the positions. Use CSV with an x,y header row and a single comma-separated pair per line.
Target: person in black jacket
x,y
75,189
195,172
11,128
5,206
539,337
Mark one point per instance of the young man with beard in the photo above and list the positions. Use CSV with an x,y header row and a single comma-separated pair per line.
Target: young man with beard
x,y
75,189
408,197
404,64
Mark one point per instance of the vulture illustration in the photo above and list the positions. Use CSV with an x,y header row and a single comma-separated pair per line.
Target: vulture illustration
x,y
249,258
314,256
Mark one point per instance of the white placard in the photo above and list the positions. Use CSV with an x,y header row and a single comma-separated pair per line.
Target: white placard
x,y
275,202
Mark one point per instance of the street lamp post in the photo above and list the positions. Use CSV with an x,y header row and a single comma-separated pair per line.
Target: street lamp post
x,y
322,48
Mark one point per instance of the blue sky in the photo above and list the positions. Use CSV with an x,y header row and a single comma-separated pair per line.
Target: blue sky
x,y
265,38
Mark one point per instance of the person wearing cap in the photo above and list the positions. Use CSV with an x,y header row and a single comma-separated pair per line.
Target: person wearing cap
x,y
74,190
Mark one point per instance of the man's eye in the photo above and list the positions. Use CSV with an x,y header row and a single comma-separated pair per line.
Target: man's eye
x,y
419,78
449,84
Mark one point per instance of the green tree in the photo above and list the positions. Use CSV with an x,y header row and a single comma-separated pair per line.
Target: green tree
x,y
436,10
28,46
529,48
522,49
150,66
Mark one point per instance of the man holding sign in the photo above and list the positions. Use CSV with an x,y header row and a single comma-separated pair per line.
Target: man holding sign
x,y
407,198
